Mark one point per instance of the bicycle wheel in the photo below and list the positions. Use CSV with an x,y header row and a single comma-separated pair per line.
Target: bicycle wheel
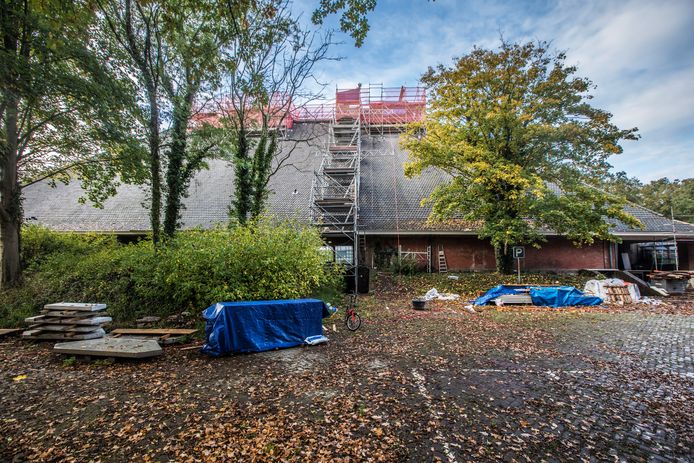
x,y
353,321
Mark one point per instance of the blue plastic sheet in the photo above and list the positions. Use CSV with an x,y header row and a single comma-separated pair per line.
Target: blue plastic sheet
x,y
561,296
497,291
550,296
256,326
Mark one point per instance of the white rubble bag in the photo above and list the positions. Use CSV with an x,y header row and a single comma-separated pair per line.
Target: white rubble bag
x,y
598,288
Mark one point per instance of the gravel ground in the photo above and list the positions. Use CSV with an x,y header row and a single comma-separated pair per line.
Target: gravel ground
x,y
522,384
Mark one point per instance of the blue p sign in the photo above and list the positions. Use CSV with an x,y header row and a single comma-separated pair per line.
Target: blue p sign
x,y
518,252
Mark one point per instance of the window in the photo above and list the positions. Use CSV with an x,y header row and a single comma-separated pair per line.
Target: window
x,y
344,254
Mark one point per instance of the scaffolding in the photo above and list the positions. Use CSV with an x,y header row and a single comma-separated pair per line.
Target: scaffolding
x,y
357,116
380,109
335,189
420,257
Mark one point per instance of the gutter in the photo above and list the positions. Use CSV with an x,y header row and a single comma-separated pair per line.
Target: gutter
x,y
640,235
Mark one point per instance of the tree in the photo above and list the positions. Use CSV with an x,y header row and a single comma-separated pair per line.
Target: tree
x,y
196,33
669,197
61,105
174,50
353,18
664,196
622,185
268,65
522,145
136,29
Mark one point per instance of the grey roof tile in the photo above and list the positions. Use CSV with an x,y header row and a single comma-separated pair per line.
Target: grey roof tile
x,y
388,200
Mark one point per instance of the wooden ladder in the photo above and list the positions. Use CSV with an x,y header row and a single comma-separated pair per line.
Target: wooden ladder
x,y
443,268
362,248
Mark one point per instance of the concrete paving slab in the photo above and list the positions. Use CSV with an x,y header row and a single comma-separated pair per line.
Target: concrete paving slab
x,y
5,331
78,306
65,328
110,347
72,321
70,313
39,334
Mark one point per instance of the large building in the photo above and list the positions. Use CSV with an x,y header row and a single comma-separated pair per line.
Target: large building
x,y
342,171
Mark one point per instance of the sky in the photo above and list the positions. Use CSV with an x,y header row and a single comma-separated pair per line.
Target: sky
x,y
639,53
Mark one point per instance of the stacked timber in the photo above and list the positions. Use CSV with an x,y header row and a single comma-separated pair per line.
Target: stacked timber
x,y
672,281
68,321
671,275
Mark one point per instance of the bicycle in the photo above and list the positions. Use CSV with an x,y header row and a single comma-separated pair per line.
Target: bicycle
x,y
352,318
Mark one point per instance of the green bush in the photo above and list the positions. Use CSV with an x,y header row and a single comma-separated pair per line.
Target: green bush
x,y
189,272
405,266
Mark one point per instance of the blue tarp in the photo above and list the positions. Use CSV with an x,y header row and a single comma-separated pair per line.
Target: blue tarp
x,y
551,296
497,291
561,296
256,326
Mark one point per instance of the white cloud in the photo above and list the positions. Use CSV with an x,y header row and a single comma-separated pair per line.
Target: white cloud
x,y
638,52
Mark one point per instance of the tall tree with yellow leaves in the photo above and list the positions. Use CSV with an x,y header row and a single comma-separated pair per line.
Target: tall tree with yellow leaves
x,y
514,129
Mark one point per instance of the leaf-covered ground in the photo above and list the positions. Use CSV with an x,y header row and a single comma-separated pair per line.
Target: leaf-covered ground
x,y
525,384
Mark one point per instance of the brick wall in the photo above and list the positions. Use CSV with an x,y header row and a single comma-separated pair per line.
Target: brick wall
x,y
471,253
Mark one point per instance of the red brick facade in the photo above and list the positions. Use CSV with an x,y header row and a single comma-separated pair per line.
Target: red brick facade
x,y
471,253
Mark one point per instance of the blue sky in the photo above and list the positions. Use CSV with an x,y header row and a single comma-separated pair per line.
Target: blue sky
x,y
639,53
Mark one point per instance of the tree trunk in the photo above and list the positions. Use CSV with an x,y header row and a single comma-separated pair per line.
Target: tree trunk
x,y
262,163
154,164
10,207
243,173
174,172
504,260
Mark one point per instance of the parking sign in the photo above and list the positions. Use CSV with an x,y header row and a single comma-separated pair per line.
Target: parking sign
x,y
518,252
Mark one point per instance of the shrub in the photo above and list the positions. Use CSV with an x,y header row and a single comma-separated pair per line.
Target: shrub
x,y
190,272
404,266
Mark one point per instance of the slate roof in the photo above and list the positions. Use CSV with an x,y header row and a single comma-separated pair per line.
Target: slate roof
x,y
389,201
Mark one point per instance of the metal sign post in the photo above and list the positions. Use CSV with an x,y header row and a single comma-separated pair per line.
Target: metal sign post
x,y
518,254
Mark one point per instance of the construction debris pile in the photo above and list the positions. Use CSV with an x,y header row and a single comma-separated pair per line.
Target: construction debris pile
x,y
68,321
672,274
673,281
613,291
544,296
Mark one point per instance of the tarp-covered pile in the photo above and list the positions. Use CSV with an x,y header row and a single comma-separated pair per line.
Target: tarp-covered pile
x,y
551,296
256,326
601,288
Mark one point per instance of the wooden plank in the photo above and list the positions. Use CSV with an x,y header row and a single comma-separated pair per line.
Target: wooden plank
x,y
76,306
154,331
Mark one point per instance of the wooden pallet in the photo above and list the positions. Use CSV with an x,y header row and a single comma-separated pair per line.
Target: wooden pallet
x,y
162,335
618,294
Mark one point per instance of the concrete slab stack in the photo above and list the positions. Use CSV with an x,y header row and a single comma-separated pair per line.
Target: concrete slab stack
x,y
68,321
110,347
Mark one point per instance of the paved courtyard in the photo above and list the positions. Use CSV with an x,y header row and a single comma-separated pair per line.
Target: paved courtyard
x,y
521,385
